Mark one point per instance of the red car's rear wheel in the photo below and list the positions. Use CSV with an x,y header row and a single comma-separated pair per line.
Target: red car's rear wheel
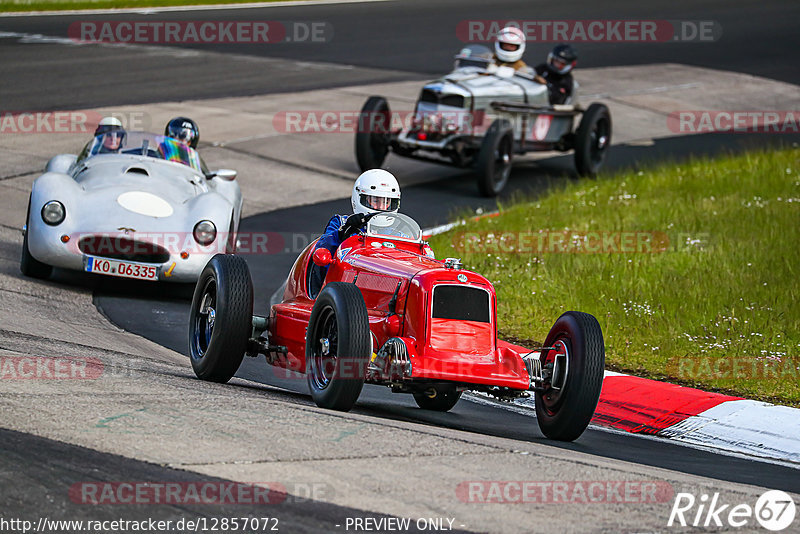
x,y
443,400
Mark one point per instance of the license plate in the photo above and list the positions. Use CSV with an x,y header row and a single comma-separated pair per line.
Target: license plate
x,y
124,269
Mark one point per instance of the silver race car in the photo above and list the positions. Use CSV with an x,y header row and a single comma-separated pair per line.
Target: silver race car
x,y
480,116
145,208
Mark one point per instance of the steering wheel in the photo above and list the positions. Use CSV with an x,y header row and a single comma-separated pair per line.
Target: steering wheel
x,y
354,223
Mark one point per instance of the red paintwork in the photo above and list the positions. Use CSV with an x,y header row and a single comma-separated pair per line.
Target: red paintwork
x,y
645,406
440,349
322,257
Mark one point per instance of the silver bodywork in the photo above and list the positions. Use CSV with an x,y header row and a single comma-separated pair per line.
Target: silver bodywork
x,y
482,96
140,199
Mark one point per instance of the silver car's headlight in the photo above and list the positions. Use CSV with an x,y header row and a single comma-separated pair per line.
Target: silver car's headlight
x,y
205,232
53,213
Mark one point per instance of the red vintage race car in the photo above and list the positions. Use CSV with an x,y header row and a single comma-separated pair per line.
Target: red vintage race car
x,y
387,313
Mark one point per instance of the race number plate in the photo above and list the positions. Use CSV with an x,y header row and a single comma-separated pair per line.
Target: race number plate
x,y
124,269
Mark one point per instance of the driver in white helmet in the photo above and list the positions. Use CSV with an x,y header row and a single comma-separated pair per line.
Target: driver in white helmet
x,y
113,135
375,190
509,47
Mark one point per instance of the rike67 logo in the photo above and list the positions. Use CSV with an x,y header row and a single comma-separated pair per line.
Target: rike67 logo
x,y
774,510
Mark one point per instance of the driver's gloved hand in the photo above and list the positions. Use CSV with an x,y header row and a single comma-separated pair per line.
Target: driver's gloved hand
x,y
351,225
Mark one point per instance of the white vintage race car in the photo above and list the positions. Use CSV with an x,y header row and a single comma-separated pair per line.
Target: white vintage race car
x,y
149,210
480,116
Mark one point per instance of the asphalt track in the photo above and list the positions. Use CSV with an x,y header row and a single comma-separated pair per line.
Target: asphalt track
x,y
760,38
43,489
383,40
164,319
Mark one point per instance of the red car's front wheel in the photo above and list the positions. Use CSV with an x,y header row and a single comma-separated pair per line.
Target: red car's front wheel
x,y
220,320
576,365
338,346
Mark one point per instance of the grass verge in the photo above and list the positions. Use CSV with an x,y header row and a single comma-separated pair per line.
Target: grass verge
x,y
61,5
691,269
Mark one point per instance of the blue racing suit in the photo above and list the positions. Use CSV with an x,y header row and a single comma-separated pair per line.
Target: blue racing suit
x,y
330,239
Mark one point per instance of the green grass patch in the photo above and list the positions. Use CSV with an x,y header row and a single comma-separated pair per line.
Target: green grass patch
x,y
717,306
60,5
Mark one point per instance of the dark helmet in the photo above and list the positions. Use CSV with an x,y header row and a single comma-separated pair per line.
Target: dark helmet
x,y
562,59
184,130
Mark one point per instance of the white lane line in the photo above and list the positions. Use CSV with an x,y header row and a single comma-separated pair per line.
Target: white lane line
x,y
176,51
35,38
223,144
167,9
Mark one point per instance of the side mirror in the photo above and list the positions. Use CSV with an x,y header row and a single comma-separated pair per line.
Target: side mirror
x,y
322,257
225,174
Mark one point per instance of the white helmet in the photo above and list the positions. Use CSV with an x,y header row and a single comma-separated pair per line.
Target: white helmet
x,y
108,124
510,44
374,191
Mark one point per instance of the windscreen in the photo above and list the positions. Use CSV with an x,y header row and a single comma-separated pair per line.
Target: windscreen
x,y
394,226
142,144
475,56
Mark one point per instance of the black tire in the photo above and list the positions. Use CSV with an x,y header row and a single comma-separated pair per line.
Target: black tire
x,y
336,373
219,333
29,265
372,134
592,139
446,397
564,415
494,159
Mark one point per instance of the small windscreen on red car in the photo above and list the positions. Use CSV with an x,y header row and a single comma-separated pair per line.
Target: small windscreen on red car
x,y
461,303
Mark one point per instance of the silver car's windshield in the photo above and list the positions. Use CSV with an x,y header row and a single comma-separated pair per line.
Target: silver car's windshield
x,y
394,226
142,144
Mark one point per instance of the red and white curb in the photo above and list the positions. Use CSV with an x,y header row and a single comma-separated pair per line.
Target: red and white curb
x,y
696,417
684,415
688,416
